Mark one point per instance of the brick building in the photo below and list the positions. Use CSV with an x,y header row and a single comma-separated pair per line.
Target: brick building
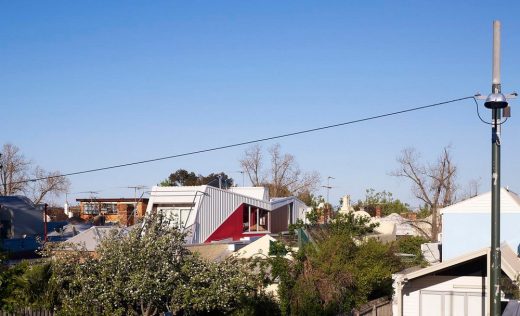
x,y
125,211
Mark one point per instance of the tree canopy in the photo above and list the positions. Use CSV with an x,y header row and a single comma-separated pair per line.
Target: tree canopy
x,y
342,270
384,201
146,271
182,177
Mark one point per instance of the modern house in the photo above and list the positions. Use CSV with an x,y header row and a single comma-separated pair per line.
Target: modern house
x,y
211,214
455,287
466,226
124,211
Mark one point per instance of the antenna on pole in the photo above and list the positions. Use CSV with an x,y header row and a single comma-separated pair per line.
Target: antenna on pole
x,y
328,187
243,178
497,103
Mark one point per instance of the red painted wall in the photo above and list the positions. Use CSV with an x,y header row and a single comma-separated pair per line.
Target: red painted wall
x,y
232,227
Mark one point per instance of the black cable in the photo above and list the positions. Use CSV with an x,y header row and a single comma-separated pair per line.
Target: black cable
x,y
480,117
250,141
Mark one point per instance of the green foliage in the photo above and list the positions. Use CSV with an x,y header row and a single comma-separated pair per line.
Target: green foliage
x,y
257,305
149,272
343,270
26,285
510,288
384,200
292,227
412,245
352,226
277,248
182,177
424,212
8,284
315,213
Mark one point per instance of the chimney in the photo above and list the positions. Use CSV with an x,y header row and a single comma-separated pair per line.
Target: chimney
x,y
378,211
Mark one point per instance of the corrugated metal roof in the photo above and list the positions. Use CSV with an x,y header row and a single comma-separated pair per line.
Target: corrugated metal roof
x,y
509,203
91,237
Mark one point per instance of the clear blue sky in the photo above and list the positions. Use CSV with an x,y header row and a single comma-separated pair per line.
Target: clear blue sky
x,y
96,83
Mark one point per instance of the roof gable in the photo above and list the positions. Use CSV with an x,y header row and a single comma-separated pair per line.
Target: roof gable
x,y
510,263
509,203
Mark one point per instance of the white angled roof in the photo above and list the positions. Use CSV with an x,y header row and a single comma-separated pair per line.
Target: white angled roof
x,y
259,193
509,203
510,263
185,194
91,238
259,247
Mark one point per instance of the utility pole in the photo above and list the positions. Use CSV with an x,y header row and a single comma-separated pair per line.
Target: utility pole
x,y
136,187
242,172
328,187
498,105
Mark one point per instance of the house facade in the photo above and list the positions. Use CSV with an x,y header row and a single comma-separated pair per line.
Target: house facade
x,y
211,214
125,211
466,226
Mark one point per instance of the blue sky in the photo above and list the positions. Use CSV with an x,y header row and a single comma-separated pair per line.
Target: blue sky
x,y
90,84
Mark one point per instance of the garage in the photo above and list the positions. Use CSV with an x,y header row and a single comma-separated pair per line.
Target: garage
x,y
452,288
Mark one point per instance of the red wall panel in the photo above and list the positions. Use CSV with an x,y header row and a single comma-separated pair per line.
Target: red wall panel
x,y
232,227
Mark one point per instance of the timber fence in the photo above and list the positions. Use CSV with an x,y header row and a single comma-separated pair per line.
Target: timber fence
x,y
27,312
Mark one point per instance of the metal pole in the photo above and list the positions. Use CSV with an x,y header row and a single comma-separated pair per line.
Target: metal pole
x,y
494,280
45,222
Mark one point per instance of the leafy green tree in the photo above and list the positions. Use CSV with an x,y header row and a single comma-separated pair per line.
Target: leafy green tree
x,y
384,200
182,177
148,271
342,270
8,285
411,245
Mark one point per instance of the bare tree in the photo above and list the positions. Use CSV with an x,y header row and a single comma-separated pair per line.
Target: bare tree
x,y
15,172
434,184
283,177
54,184
472,189
252,164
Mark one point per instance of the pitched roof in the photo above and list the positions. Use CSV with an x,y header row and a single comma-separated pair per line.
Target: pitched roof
x,y
92,237
259,247
212,252
17,202
510,263
509,203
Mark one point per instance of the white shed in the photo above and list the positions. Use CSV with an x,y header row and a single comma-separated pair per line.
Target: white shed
x,y
457,287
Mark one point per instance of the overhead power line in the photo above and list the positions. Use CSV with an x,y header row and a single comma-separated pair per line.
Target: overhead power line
x,y
251,141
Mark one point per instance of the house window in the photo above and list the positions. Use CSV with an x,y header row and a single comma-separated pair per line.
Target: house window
x,y
255,219
177,216
109,208
91,208
263,220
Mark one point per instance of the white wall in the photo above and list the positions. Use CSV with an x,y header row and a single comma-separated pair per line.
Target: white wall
x,y
466,232
457,296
